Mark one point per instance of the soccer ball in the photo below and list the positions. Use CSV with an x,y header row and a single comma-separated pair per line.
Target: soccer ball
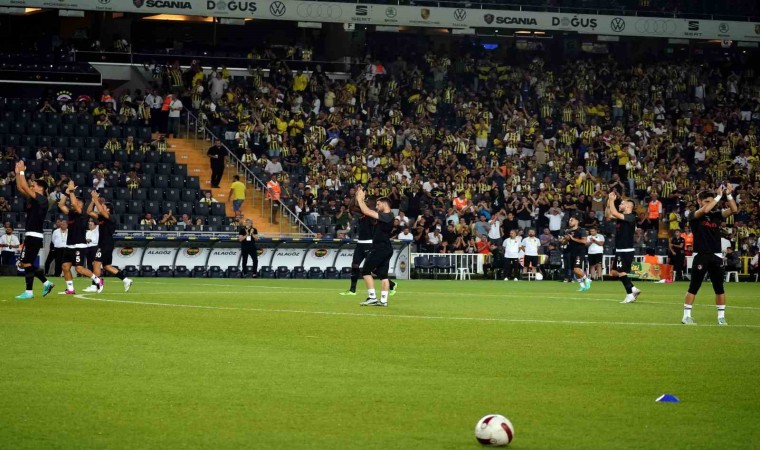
x,y
539,276
494,430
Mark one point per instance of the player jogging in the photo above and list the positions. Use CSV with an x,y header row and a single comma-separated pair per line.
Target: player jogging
x,y
104,254
76,240
366,228
625,228
576,241
379,257
36,210
708,258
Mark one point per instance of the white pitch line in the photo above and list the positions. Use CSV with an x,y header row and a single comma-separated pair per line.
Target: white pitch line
x,y
456,294
398,316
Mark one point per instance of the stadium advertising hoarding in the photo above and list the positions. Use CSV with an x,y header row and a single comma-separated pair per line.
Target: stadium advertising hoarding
x,y
401,15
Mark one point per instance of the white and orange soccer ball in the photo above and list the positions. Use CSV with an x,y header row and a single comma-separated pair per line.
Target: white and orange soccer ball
x,y
494,430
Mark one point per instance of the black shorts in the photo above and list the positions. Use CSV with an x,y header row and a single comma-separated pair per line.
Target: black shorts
x,y
704,264
360,254
595,258
32,247
73,256
530,261
578,260
104,256
622,262
378,262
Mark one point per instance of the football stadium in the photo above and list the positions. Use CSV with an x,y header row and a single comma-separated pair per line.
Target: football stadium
x,y
404,224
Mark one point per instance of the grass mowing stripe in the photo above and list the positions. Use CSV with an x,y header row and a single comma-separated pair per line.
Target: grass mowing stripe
x,y
462,294
399,316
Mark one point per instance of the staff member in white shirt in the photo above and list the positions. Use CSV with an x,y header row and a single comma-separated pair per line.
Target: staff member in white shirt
x,y
92,236
175,109
512,256
57,244
9,245
595,253
530,247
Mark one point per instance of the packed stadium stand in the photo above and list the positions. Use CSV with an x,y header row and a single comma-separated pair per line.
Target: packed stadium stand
x,y
470,137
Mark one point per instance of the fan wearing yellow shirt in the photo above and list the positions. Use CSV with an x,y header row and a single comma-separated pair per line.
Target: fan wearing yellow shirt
x,y
237,194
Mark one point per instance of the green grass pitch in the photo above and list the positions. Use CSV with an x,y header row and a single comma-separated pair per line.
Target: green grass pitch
x,y
208,363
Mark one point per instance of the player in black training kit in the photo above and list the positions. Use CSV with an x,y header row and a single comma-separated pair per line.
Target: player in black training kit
x,y
379,257
625,228
104,254
366,228
576,241
708,256
36,210
76,240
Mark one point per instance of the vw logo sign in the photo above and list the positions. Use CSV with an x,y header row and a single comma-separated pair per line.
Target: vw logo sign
x,y
617,24
318,10
460,14
655,26
277,8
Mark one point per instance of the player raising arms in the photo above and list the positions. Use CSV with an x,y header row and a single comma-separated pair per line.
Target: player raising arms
x,y
104,255
36,210
708,256
365,229
576,241
379,257
76,240
625,228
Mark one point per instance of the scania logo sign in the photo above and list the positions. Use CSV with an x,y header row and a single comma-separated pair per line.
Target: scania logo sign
x,y
617,24
317,10
277,8
460,14
166,4
490,18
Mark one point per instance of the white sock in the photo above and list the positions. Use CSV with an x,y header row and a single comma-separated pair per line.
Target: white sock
x,y
70,285
721,311
29,292
686,311
371,293
383,296
95,278
582,280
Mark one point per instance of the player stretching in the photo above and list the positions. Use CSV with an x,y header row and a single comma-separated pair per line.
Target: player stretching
x,y
379,257
104,255
625,228
363,246
75,241
576,241
36,210
708,258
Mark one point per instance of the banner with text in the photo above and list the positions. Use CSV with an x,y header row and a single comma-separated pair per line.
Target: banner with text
x,y
398,15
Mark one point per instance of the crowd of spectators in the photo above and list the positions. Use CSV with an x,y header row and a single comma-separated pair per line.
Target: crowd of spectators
x,y
472,146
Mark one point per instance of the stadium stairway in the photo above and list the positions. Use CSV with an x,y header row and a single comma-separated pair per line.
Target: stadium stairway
x,y
193,153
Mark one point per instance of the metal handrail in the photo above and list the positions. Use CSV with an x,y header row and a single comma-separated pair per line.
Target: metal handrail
x,y
285,212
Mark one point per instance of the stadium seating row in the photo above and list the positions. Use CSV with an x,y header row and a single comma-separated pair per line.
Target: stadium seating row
x,y
37,129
